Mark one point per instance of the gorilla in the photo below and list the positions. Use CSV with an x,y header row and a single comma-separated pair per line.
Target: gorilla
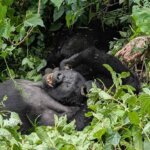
x,y
82,53
94,60
59,93
78,40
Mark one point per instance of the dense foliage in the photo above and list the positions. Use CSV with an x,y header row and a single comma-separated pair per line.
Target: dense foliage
x,y
120,120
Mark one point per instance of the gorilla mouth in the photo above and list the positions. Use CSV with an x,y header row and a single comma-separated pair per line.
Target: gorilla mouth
x,y
54,79
49,79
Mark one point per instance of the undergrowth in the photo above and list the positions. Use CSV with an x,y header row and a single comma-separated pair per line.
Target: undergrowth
x,y
120,122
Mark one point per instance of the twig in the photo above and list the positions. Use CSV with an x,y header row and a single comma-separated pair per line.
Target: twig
x,y
39,6
30,29
27,35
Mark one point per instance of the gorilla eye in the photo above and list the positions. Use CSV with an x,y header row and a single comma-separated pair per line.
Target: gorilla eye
x,y
59,76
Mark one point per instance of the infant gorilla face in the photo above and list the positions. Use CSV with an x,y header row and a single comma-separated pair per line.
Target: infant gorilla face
x,y
65,86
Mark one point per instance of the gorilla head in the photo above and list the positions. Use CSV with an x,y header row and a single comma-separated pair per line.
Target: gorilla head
x,y
65,86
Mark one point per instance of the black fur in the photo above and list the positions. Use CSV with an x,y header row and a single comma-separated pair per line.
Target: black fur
x,y
34,99
94,60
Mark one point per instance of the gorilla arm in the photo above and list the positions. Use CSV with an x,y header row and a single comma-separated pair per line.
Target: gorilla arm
x,y
95,59
28,99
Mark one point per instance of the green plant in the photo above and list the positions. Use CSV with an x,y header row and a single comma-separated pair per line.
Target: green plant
x,y
141,17
15,30
120,121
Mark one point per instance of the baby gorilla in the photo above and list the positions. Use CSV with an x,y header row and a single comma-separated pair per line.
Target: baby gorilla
x,y
41,99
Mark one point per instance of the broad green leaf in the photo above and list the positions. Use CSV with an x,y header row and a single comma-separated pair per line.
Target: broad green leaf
x,y
115,138
131,101
68,147
26,61
125,74
137,138
5,133
113,74
58,13
146,145
134,118
57,3
43,146
37,78
104,95
33,137
100,133
141,17
3,11
147,128
71,17
33,21
146,90
145,103
8,29
41,65
13,121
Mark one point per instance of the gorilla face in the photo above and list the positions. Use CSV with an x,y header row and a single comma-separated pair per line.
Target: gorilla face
x,y
65,86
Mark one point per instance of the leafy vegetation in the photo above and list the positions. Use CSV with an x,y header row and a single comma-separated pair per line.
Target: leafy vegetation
x,y
120,119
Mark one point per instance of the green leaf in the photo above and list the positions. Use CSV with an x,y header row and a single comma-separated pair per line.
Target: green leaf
x,y
131,101
115,138
145,103
100,133
13,121
33,21
141,16
26,61
137,138
7,29
146,90
71,17
68,147
33,137
146,145
5,133
134,118
113,74
58,13
125,74
3,11
57,3
41,65
105,95
147,128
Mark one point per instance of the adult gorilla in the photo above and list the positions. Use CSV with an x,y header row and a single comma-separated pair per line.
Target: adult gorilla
x,y
40,99
94,60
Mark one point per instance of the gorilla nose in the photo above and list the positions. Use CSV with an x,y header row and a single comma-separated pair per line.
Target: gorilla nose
x,y
58,77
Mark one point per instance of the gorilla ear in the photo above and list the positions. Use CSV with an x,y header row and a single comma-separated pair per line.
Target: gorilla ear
x,y
86,88
84,91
